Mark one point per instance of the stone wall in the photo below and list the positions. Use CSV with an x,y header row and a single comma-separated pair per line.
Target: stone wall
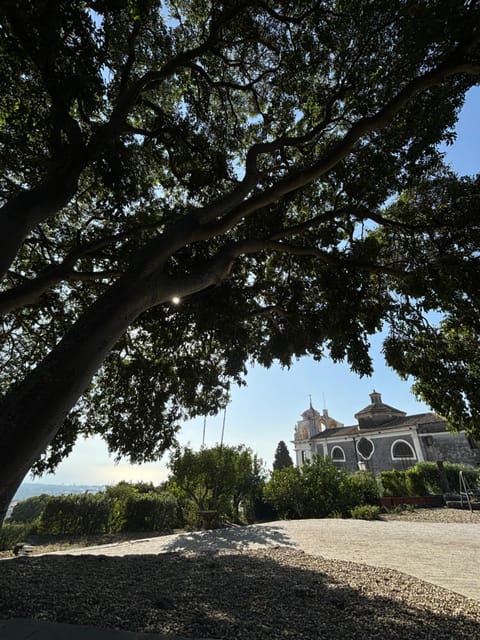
x,y
450,447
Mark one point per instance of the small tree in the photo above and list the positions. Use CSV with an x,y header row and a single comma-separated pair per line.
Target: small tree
x,y
282,457
285,492
223,479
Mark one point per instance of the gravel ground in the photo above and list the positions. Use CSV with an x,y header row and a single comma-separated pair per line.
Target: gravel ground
x,y
441,514
268,593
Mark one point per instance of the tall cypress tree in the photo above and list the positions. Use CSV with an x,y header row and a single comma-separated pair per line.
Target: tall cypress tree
x,y
282,457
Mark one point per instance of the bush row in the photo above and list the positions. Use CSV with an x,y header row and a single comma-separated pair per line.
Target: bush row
x,y
124,507
316,490
319,489
424,479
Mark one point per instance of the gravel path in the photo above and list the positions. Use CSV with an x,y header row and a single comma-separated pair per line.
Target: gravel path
x,y
273,593
267,581
444,553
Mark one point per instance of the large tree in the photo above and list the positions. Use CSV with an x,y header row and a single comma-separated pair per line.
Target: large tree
x,y
191,185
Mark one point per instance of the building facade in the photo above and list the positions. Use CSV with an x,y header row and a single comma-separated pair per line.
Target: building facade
x,y
384,438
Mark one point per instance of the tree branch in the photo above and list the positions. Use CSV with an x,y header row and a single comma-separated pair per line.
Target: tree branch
x,y
29,291
229,210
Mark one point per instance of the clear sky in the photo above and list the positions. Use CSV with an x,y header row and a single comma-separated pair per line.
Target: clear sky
x,y
266,410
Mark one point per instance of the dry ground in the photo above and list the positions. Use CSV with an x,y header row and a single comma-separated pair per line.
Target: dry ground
x,y
272,593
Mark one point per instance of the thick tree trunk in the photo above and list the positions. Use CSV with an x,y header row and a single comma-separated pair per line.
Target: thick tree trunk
x,y
34,410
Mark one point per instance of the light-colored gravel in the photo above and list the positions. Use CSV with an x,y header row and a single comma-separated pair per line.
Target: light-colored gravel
x,y
435,515
258,582
274,592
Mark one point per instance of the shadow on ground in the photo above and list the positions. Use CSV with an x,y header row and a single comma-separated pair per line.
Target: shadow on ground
x,y
237,538
267,593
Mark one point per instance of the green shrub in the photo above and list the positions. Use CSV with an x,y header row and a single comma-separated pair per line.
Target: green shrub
x,y
150,512
357,489
285,492
30,509
314,491
393,483
431,477
322,483
124,507
262,510
365,512
452,471
318,490
426,476
76,514
13,532
415,482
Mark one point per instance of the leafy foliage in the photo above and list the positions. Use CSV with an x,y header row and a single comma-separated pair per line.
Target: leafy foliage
x,y
360,488
150,512
365,512
393,483
441,262
236,158
75,514
123,507
284,492
318,489
425,478
224,479
12,533
30,509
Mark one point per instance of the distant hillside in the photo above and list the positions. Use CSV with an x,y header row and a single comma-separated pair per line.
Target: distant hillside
x,y
30,489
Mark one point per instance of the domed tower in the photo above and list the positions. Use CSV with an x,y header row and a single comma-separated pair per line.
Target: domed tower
x,y
309,425
377,413
312,424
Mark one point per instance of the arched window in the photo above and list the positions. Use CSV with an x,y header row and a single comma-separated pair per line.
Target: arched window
x,y
337,454
402,450
365,448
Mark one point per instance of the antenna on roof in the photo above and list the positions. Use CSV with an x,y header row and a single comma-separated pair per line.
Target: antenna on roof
x,y
310,396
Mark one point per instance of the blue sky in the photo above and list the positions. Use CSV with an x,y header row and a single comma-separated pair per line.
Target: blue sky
x,y
265,411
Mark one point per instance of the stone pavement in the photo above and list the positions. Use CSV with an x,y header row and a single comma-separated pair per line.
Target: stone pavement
x,y
445,554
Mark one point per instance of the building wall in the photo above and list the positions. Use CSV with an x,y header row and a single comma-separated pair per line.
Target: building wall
x,y
303,452
351,462
450,447
381,459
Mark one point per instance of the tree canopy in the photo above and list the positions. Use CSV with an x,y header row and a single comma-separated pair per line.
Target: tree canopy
x,y
223,479
191,186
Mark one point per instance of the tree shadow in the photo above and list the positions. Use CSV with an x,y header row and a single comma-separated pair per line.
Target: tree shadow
x,y
237,538
265,593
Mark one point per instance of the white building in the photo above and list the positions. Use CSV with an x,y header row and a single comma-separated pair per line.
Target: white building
x,y
384,438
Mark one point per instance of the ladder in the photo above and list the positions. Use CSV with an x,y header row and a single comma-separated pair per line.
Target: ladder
x,y
466,492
